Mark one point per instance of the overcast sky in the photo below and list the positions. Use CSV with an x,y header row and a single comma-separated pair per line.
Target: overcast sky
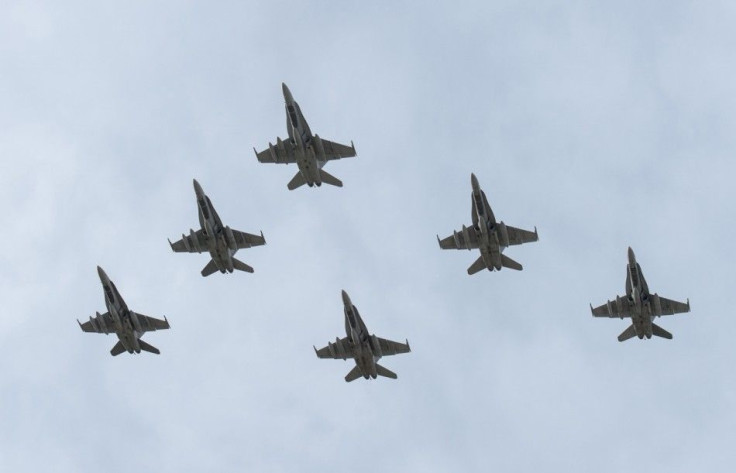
x,y
605,126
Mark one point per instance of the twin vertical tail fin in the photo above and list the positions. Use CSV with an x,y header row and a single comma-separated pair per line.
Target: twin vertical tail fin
x,y
355,373
119,348
299,180
656,331
506,262
237,264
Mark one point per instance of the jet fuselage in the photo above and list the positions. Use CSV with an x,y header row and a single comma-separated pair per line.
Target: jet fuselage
x,y
489,243
221,242
644,306
364,345
310,156
127,327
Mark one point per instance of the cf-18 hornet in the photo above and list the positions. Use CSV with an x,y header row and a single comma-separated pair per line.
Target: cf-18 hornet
x,y
640,306
220,241
487,235
128,325
309,152
364,348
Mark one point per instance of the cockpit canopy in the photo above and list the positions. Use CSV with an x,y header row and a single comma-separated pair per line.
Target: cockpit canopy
x,y
292,115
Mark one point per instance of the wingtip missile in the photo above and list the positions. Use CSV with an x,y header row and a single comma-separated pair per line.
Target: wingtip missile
x,y
353,146
591,309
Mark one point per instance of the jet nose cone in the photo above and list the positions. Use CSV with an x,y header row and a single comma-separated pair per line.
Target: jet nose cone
x,y
101,273
631,255
287,93
345,298
197,187
474,181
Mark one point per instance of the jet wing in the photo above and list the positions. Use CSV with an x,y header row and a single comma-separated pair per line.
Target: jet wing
x,y
101,323
517,236
282,152
337,151
670,307
342,349
389,347
195,242
246,240
466,239
619,308
151,324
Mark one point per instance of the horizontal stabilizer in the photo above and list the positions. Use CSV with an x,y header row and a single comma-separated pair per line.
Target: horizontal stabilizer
x,y
507,262
381,371
149,348
628,333
660,332
353,375
479,265
209,269
328,178
240,266
117,349
297,181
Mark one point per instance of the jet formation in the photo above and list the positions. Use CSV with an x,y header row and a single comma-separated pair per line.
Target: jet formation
x,y
640,306
487,235
219,240
360,345
309,152
129,326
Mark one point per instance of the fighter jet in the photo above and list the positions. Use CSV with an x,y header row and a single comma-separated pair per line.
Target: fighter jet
x,y
220,241
487,235
128,325
639,305
360,345
309,152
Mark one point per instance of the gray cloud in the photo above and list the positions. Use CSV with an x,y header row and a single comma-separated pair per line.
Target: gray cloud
x,y
603,126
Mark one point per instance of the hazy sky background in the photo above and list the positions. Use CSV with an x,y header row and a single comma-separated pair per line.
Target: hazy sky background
x,y
605,125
